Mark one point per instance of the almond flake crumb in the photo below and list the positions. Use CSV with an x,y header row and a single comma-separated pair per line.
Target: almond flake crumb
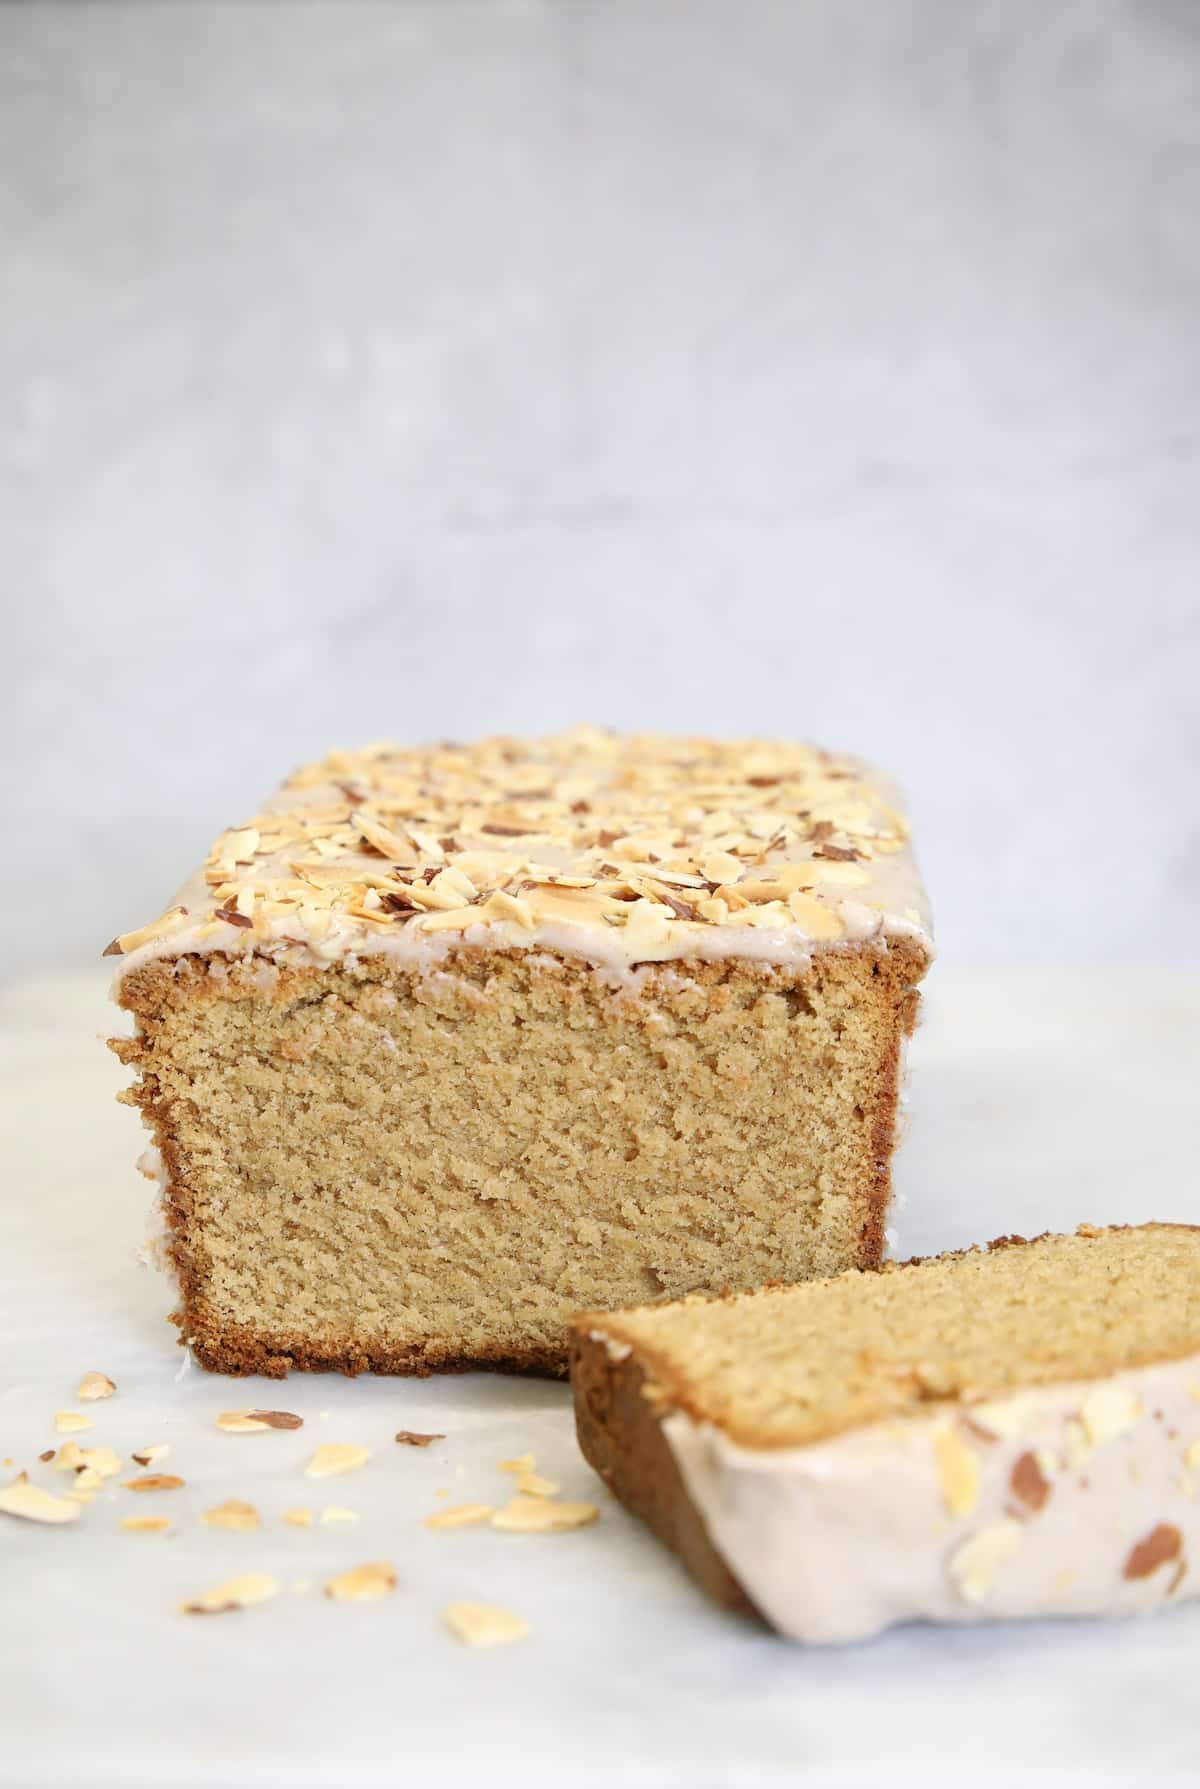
x,y
536,1515
235,1593
977,1561
1109,1411
145,1524
86,1479
95,1385
482,1624
532,1484
413,1438
35,1505
233,1513
44,1456
248,1422
336,1456
149,1456
333,1512
522,1463
298,1518
153,1481
958,1468
460,1515
66,1422
363,1583
71,1457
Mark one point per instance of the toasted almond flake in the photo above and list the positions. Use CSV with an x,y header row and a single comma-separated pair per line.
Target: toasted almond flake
x,y
44,1456
958,1469
149,1456
522,1463
235,1593
146,1524
71,1457
460,1515
532,1484
333,1513
298,1518
483,1624
1109,1411
234,1514
35,1505
87,1479
333,1457
67,1422
537,1515
95,1385
247,1422
153,1481
363,1583
974,1565
1006,1418
414,1438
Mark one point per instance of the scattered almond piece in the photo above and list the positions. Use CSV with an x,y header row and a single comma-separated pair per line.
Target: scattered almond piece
x,y
48,1454
71,1457
36,1505
336,1456
235,1593
413,1438
95,1385
67,1422
522,1463
248,1422
87,1479
154,1481
1191,1458
976,1562
148,1456
145,1524
298,1518
460,1515
234,1514
482,1624
536,1515
958,1469
334,1513
1109,1411
363,1583
532,1484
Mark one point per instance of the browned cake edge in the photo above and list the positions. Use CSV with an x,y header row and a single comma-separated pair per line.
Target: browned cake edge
x,y
621,1437
236,1350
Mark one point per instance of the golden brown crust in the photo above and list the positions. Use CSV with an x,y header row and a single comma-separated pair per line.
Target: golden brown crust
x,y
621,1437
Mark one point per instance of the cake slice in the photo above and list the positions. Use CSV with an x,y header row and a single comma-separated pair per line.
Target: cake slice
x,y
1010,1431
445,1044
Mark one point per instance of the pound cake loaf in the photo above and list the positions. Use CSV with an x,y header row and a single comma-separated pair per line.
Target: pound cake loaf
x,y
1010,1431
443,1045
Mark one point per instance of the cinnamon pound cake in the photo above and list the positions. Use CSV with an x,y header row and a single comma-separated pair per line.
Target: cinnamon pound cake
x,y
443,1045
1010,1431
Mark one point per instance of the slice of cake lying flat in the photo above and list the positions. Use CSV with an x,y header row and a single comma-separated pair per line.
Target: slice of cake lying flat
x,y
1011,1431
443,1045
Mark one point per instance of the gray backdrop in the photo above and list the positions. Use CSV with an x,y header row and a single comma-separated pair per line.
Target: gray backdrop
x,y
435,367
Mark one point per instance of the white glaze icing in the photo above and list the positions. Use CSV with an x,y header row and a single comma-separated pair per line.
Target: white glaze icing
x,y
840,1539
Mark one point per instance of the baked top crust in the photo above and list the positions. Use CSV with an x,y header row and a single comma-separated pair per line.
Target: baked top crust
x,y
618,848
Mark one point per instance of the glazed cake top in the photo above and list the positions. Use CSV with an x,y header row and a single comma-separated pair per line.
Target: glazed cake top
x,y
620,849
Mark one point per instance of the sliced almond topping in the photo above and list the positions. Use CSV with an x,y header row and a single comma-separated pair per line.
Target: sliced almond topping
x,y
414,1438
35,1505
235,1593
333,1513
246,1422
71,1457
149,1456
86,1479
1007,1418
532,1484
536,1515
298,1518
522,1463
154,1481
93,1386
460,1515
363,1583
958,1468
974,1565
146,1524
68,1421
1109,1411
336,1456
233,1513
482,1624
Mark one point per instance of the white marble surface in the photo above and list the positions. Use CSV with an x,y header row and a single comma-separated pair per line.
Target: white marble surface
x,y
1038,1101
427,368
